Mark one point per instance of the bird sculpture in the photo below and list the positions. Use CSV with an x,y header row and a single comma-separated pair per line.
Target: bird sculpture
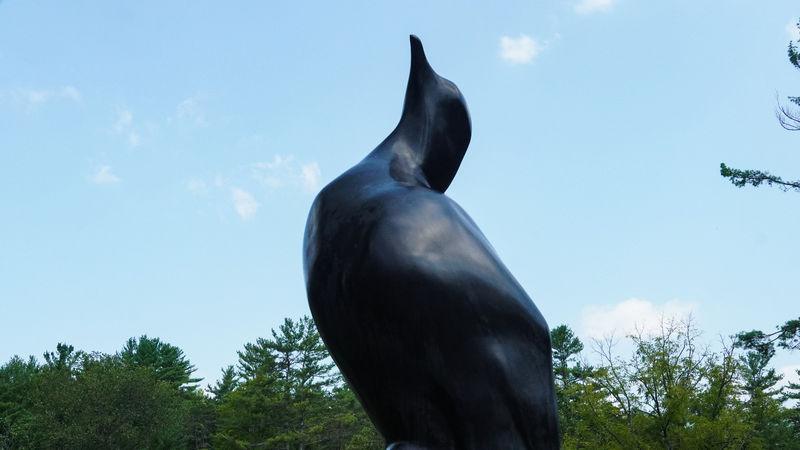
x,y
440,343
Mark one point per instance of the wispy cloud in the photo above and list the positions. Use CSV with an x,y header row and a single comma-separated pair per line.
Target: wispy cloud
x,y
34,98
793,30
629,316
244,203
70,93
593,6
519,50
284,171
310,174
104,175
276,173
254,182
124,126
197,186
124,120
191,110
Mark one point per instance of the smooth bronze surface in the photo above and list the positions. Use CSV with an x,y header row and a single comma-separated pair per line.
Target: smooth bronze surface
x,y
441,344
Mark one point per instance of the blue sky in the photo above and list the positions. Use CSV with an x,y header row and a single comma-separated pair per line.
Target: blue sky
x,y
158,159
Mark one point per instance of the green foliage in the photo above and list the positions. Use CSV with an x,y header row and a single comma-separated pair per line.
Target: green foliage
x,y
256,358
225,385
772,422
285,394
290,396
65,358
786,336
668,392
568,373
17,377
566,347
741,178
671,393
78,400
200,420
105,405
167,362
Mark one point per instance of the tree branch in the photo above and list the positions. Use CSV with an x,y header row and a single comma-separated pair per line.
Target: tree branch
x,y
741,178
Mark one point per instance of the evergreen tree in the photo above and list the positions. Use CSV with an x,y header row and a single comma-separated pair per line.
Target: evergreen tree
x,y
291,397
568,373
168,362
772,424
566,347
200,419
786,336
792,395
225,385
257,357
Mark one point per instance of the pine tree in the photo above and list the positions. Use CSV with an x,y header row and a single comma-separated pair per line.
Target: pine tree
x,y
167,361
225,385
291,396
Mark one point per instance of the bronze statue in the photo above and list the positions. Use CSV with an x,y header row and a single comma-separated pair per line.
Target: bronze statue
x,y
443,347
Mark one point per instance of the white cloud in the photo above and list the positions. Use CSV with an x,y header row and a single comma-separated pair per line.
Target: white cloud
x,y
133,139
593,6
278,162
519,50
310,175
191,110
36,97
790,375
33,98
244,203
248,183
124,120
630,316
104,175
276,173
284,171
196,186
70,93
793,31
124,126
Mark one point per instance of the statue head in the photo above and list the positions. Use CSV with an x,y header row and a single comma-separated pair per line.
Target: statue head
x,y
435,112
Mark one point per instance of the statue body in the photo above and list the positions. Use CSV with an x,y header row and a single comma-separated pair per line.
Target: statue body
x,y
443,347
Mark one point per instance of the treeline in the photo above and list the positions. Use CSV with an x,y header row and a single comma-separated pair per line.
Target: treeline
x,y
668,392
284,393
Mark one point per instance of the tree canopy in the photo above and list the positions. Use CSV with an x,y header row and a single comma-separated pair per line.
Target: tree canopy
x,y
672,392
669,391
284,394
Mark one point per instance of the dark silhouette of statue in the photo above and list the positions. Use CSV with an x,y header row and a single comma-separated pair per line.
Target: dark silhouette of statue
x,y
443,347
